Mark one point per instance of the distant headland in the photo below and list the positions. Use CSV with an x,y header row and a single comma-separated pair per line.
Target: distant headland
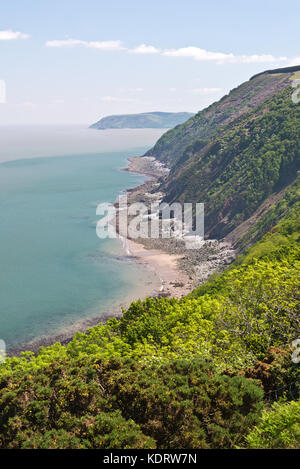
x,y
154,120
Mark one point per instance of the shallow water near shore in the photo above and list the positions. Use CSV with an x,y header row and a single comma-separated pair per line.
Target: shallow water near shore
x,y
55,272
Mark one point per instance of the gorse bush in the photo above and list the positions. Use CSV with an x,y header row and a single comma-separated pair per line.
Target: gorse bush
x,y
121,404
278,374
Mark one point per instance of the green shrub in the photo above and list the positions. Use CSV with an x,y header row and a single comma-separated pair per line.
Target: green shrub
x,y
123,404
278,428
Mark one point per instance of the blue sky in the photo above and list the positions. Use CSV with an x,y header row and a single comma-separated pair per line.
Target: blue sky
x,y
74,61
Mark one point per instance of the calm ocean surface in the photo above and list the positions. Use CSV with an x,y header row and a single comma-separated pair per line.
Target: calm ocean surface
x,y
55,272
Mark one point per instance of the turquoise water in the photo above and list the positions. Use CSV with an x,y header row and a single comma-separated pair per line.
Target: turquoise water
x,y
55,272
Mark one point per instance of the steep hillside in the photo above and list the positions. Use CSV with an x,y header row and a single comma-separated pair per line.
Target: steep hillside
x,y
236,155
206,123
155,120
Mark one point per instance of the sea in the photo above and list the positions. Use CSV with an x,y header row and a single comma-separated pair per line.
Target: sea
x,y
56,275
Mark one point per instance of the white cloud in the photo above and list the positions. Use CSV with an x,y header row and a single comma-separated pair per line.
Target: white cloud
x,y
9,35
172,90
144,49
265,58
103,45
294,61
219,57
197,54
106,45
192,52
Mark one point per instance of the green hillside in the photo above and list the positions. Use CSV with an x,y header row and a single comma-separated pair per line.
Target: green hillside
x,y
235,155
206,123
213,369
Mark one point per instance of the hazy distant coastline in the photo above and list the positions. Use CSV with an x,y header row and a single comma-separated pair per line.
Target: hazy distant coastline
x,y
145,120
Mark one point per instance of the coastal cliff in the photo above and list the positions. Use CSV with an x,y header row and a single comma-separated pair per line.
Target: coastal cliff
x,y
239,157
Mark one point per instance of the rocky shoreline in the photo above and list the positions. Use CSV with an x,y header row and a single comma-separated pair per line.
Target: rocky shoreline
x,y
195,266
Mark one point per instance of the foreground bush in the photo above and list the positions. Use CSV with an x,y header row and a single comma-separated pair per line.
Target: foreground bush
x,y
122,404
278,428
